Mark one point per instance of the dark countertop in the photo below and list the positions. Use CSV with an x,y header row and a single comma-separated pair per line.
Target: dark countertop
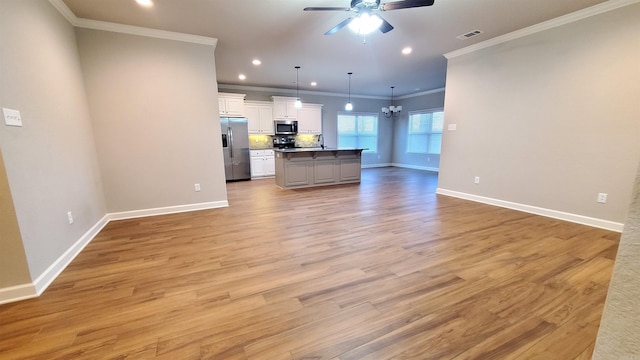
x,y
315,149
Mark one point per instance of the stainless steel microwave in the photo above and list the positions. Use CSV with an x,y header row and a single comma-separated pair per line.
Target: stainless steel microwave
x,y
286,127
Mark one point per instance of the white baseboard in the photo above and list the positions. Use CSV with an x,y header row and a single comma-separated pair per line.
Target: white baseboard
x,y
406,166
45,279
371,166
17,293
415,167
35,289
560,215
167,210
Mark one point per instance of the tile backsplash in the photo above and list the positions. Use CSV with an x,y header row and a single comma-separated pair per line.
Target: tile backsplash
x,y
260,141
266,141
307,140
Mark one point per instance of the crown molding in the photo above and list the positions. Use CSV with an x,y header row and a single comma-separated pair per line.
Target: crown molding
x,y
140,31
65,11
428,92
546,25
293,91
309,92
128,29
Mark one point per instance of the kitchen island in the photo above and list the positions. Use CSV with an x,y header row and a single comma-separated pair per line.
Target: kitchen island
x,y
308,167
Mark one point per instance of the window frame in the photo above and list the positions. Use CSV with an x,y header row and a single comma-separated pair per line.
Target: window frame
x,y
428,133
357,115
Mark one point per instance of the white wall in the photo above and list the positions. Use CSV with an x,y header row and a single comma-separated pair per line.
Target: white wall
x,y
549,120
130,119
51,161
14,270
155,118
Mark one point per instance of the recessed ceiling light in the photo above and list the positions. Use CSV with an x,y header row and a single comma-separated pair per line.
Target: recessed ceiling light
x,y
145,3
256,62
242,77
313,83
407,50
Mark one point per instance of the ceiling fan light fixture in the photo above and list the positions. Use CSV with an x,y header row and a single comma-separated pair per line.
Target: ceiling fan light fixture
x,y
370,2
365,23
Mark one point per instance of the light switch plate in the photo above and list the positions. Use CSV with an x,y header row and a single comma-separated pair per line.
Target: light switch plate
x,y
12,117
452,127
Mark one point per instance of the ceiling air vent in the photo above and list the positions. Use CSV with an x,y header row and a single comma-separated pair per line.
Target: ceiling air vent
x,y
470,34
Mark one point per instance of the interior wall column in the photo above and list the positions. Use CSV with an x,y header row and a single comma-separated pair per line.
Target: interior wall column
x,y
14,270
618,334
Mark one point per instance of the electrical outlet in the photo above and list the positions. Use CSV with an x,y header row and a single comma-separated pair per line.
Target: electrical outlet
x,y
70,217
197,187
602,198
476,180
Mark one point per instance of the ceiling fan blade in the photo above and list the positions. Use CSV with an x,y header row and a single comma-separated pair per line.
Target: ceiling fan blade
x,y
339,26
395,5
326,9
385,27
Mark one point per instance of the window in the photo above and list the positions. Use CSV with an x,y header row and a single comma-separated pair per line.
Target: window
x,y
425,131
358,130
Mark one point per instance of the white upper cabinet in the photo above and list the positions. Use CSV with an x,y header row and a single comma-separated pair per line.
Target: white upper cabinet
x,y
284,108
231,104
310,119
260,115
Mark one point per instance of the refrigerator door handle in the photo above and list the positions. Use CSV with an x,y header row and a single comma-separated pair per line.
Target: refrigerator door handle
x,y
230,136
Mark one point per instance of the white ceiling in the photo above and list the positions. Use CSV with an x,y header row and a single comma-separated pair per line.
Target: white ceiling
x,y
282,36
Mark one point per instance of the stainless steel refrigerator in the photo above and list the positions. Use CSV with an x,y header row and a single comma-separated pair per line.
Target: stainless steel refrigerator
x,y
235,148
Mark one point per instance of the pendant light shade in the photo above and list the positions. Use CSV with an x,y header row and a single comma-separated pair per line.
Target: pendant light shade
x,y
349,106
298,102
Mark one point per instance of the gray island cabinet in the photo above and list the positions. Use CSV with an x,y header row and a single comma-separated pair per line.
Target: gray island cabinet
x,y
308,167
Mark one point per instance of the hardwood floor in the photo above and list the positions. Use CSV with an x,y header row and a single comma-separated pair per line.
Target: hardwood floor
x,y
381,270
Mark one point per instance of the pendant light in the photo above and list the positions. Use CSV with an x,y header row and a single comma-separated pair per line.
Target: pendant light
x,y
391,110
349,106
298,102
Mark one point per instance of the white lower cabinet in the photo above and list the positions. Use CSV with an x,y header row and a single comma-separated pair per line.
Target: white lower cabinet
x,y
262,163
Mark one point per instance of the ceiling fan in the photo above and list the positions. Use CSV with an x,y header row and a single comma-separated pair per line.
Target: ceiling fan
x,y
365,21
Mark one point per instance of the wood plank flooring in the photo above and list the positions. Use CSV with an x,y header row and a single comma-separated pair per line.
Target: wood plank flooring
x,y
382,270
